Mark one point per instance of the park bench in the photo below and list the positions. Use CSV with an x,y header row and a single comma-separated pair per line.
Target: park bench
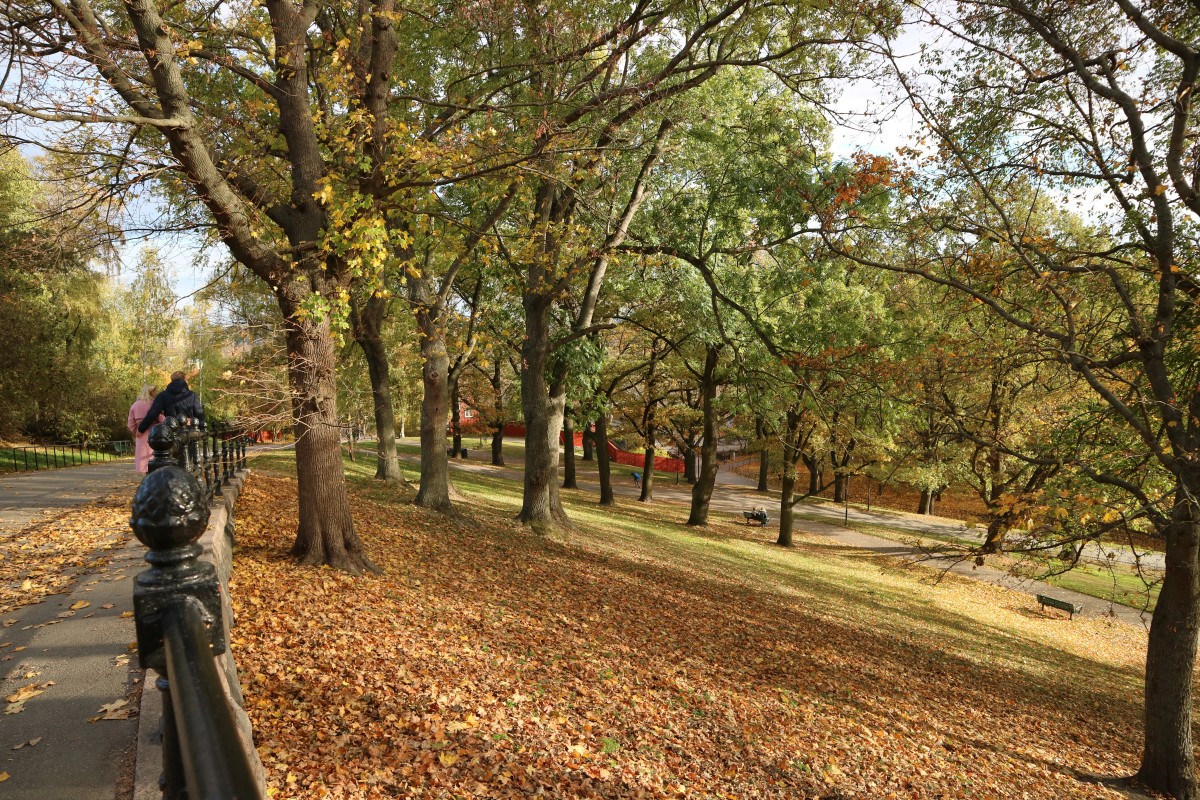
x,y
1063,605
758,515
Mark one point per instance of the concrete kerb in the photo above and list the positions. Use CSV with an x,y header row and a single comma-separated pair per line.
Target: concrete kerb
x,y
217,542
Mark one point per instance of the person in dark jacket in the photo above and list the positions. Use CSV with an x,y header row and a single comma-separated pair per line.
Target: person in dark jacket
x,y
177,400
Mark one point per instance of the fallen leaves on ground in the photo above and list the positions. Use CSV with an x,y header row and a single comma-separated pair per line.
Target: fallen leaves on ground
x,y
47,555
117,709
490,662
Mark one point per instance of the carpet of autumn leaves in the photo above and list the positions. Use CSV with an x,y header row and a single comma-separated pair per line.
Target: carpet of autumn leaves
x,y
631,657
45,556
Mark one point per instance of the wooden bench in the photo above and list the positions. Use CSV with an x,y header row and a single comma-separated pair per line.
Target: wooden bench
x,y
757,515
1063,605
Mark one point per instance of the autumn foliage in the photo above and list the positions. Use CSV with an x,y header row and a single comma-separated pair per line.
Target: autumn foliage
x,y
630,658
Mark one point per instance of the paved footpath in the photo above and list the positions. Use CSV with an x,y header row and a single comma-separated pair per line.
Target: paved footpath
x,y
51,749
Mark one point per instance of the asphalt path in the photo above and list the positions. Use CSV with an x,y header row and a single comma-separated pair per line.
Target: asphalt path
x,y
57,746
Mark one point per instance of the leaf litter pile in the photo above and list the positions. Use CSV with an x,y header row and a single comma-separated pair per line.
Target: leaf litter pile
x,y
630,657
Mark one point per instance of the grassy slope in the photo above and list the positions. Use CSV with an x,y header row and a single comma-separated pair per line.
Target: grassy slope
x,y
631,657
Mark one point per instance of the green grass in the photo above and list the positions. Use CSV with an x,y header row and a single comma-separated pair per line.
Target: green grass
x,y
642,528
19,459
1116,583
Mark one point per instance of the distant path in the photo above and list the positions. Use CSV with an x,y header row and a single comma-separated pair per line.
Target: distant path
x,y
25,495
736,493
84,653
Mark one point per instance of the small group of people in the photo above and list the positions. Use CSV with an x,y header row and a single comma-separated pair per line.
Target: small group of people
x,y
153,406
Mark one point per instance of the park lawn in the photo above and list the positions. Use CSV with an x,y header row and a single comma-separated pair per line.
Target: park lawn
x,y
1114,582
632,657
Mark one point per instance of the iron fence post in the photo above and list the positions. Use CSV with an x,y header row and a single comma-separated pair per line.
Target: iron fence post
x,y
169,515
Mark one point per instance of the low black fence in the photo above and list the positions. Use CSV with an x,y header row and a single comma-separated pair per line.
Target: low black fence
x,y
179,615
30,457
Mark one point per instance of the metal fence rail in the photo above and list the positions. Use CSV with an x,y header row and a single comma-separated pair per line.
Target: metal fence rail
x,y
178,611
27,458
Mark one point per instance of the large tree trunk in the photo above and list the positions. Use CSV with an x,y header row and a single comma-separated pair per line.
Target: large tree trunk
x,y
925,504
326,532
839,488
367,326
603,467
568,453
1168,763
702,489
435,471
543,413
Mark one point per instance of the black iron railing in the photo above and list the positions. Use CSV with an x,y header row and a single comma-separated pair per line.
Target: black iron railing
x,y
30,457
178,611
211,454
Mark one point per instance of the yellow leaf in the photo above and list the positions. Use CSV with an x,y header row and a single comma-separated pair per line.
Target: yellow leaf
x,y
447,758
24,693
79,604
3,777
1159,190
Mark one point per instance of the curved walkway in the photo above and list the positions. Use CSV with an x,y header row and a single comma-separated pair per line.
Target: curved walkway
x,y
51,749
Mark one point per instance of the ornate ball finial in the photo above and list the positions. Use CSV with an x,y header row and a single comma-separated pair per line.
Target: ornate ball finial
x,y
169,509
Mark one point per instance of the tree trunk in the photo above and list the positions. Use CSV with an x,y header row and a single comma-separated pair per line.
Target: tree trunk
x,y
650,425
366,327
455,420
813,465
764,456
647,493
498,446
326,532
702,489
1168,763
689,464
568,453
497,415
787,488
925,505
543,413
997,527
839,488
588,443
435,471
603,467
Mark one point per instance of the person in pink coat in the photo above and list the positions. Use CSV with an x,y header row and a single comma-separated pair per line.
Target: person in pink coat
x,y
141,442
